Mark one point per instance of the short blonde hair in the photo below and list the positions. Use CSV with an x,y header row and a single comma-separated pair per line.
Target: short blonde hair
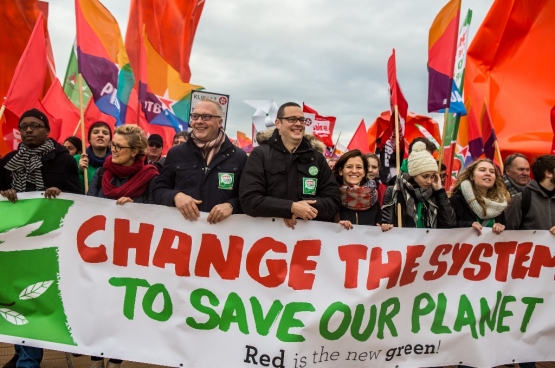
x,y
135,136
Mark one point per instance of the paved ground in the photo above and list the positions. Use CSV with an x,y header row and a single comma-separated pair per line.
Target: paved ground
x,y
56,359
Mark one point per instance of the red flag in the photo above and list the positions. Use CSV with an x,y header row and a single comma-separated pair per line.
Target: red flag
x,y
28,80
372,136
65,114
553,127
396,99
360,139
322,128
170,26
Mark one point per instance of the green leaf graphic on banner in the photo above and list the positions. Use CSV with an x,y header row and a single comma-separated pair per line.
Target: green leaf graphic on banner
x,y
50,212
30,300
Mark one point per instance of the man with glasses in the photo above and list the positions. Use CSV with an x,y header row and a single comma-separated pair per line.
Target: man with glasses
x,y
154,151
287,175
39,164
203,173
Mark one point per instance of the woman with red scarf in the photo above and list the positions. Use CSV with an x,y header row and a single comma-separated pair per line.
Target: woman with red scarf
x,y
124,176
359,197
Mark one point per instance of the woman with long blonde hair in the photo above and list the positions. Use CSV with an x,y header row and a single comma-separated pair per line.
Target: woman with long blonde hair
x,y
480,197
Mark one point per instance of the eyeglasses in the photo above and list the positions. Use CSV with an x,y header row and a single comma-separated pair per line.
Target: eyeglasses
x,y
293,119
33,126
152,144
116,147
204,117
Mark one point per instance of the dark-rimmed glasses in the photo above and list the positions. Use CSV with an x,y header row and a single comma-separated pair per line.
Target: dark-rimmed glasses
x,y
204,117
33,126
116,147
293,119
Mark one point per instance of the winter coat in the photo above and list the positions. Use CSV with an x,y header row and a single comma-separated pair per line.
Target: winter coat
x,y
371,216
274,178
540,215
445,215
58,170
465,216
185,171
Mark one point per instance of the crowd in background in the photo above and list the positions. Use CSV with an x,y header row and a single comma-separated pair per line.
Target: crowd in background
x,y
286,176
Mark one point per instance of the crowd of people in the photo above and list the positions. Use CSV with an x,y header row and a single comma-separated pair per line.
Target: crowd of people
x,y
286,176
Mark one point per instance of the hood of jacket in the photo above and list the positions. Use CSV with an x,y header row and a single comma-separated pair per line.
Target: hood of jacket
x,y
264,138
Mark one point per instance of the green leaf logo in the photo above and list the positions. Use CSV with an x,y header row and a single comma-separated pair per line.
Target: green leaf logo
x,y
35,290
13,317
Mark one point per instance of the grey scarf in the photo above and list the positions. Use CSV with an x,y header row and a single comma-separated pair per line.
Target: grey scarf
x,y
26,166
512,187
410,193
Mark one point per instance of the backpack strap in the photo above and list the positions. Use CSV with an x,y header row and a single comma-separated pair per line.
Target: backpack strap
x,y
100,173
526,203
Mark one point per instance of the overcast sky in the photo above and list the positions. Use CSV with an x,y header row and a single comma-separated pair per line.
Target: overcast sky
x,y
330,54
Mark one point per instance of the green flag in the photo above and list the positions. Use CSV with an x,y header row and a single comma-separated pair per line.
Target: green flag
x,y
70,82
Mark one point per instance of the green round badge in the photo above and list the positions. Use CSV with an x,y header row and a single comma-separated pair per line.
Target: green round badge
x,y
313,170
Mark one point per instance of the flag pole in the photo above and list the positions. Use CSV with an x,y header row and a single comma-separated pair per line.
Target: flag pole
x,y
445,122
398,162
2,109
496,144
82,123
336,143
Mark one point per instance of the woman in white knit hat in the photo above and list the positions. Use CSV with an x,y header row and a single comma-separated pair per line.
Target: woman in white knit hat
x,y
423,201
480,197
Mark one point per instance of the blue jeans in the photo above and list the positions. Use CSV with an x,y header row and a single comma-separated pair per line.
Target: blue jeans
x,y
29,357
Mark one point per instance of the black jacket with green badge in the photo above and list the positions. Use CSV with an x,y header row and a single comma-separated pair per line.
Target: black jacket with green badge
x,y
274,178
185,171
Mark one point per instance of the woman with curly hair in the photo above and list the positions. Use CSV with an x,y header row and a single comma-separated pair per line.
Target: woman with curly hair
x,y
359,197
480,197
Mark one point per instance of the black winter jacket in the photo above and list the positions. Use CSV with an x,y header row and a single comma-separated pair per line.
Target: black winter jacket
x,y
274,178
185,171
371,216
465,216
59,170
445,215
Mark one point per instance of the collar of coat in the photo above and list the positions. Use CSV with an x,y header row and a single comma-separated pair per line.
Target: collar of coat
x,y
309,140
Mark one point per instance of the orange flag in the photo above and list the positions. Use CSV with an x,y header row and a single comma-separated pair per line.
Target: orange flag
x,y
170,26
510,66
360,139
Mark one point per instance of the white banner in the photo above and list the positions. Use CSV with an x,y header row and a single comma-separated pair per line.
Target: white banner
x,y
140,283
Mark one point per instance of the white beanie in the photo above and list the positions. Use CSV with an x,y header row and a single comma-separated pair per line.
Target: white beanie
x,y
420,160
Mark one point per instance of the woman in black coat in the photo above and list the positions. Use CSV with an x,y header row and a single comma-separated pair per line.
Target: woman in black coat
x,y
480,197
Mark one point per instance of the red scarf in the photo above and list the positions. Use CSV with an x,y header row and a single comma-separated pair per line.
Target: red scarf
x,y
139,176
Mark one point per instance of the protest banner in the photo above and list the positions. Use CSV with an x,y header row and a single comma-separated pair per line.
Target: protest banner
x,y
222,100
138,282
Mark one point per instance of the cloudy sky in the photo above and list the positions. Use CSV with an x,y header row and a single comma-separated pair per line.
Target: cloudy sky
x,y
330,54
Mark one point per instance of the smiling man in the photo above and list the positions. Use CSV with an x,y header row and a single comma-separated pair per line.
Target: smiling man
x,y
203,173
39,164
287,176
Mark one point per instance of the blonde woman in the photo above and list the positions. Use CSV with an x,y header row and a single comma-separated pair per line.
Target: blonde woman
x,y
480,197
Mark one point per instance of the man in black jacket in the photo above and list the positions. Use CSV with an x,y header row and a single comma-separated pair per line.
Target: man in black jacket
x,y
202,174
286,176
39,164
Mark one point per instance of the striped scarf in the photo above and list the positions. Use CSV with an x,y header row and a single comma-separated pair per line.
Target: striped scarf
x,y
26,166
209,149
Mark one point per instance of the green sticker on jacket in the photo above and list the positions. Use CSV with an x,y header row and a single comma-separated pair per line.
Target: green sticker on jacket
x,y
309,186
225,181
313,170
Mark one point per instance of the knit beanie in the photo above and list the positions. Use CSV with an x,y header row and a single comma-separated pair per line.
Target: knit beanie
x,y
34,113
420,160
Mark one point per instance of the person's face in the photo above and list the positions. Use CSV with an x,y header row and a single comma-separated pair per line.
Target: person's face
x,y
484,176
179,140
425,180
206,131
100,137
519,171
373,168
154,149
443,177
353,171
291,133
122,153
70,147
33,132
